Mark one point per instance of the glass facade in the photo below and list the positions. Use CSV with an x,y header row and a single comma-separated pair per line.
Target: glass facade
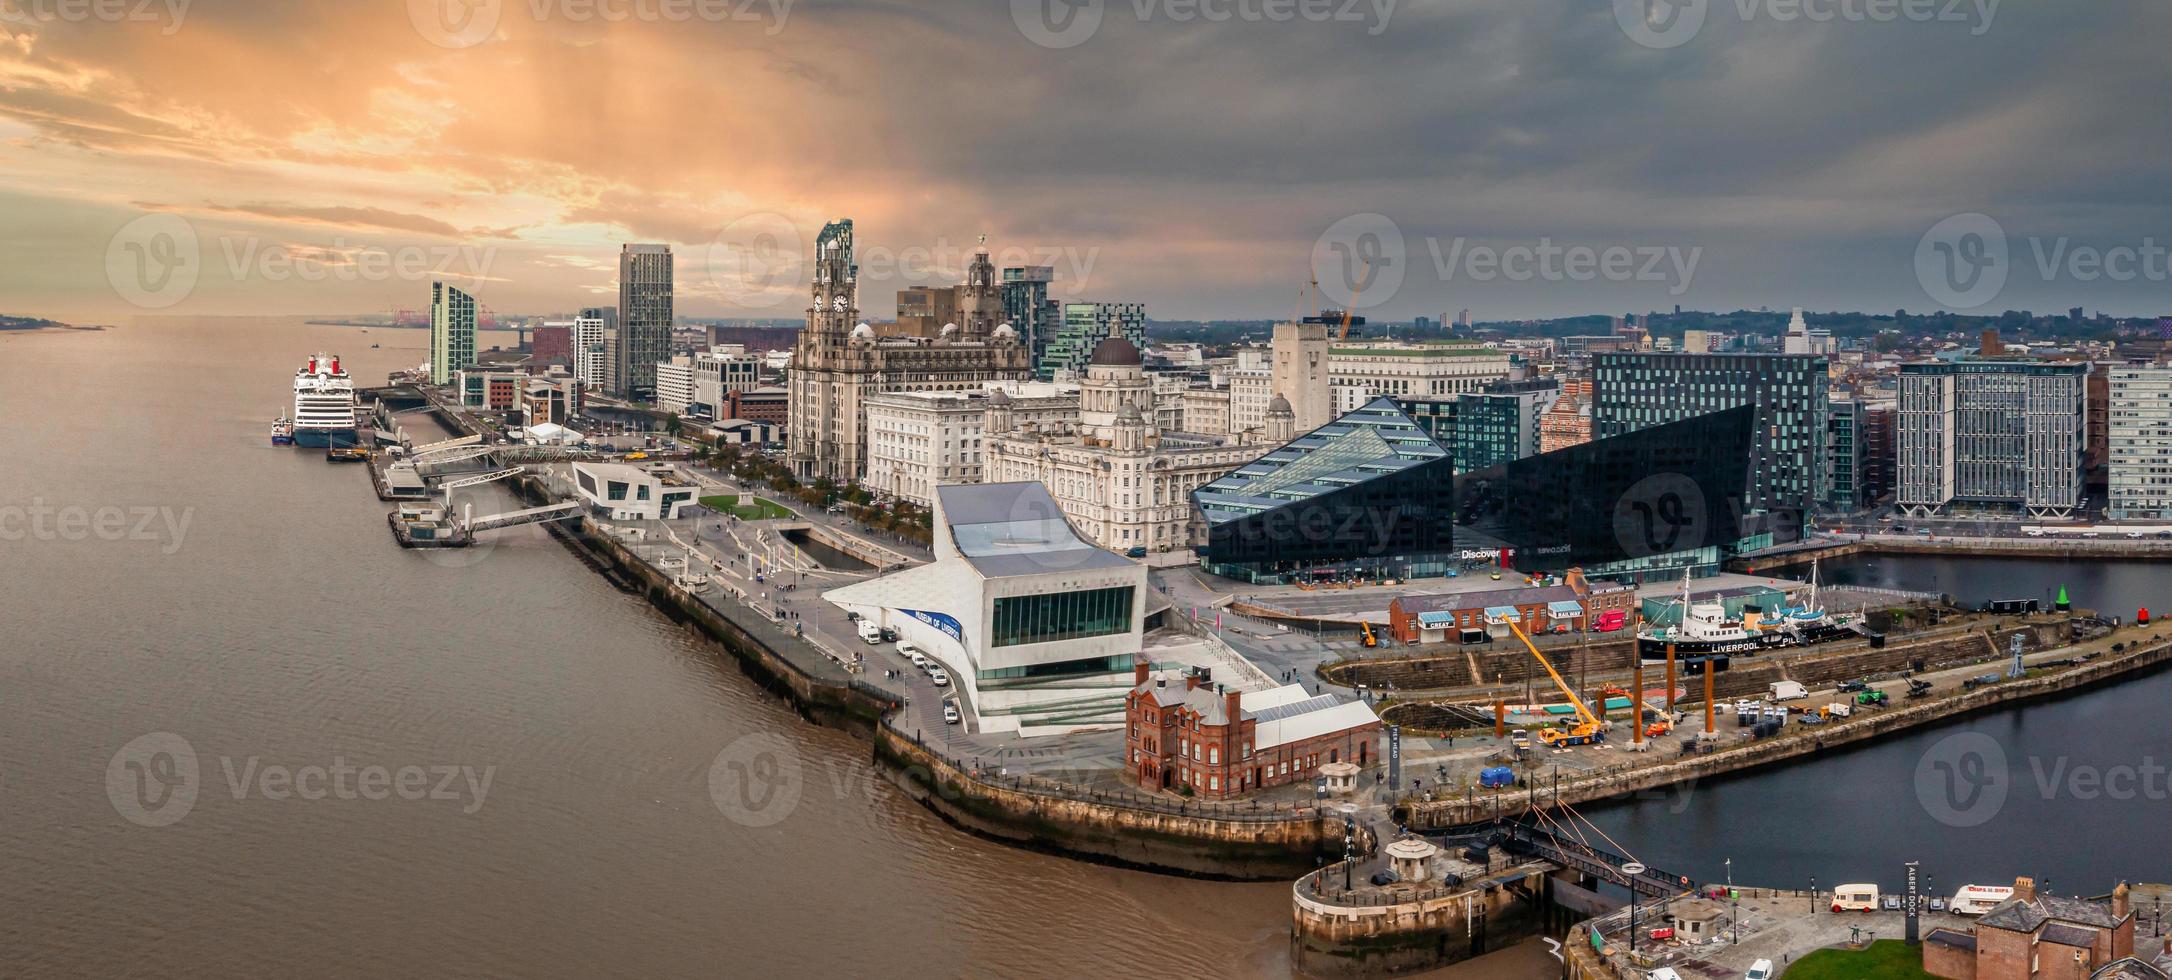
x,y
1368,495
1653,500
1061,616
452,332
1844,457
1086,325
1027,306
1789,393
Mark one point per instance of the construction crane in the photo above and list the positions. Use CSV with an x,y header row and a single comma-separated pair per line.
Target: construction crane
x,y
1349,315
1588,728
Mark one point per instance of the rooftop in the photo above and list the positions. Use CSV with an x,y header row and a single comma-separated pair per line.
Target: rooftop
x,y
1007,529
1375,440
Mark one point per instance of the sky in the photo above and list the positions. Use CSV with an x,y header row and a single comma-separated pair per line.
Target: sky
x,y
1209,158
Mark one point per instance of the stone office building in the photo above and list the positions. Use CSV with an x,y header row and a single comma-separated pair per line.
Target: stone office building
x,y
837,366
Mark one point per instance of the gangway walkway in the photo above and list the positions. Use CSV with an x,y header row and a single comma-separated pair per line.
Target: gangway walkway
x,y
447,444
532,515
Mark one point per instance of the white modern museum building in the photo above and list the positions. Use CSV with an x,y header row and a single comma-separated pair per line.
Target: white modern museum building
x,y
1038,627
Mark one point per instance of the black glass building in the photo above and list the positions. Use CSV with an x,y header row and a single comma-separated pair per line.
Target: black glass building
x,y
1653,500
1367,495
1632,392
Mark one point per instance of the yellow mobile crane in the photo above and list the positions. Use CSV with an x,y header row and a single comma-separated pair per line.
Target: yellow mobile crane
x,y
1588,729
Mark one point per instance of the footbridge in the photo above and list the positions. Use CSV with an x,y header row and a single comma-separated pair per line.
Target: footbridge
x,y
532,515
1574,853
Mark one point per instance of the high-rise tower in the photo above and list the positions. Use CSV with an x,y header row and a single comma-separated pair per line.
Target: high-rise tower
x,y
644,318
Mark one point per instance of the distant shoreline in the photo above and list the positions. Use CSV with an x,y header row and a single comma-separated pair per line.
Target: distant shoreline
x,y
29,324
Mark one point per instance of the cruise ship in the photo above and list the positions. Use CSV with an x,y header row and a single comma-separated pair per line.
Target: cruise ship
x,y
324,407
1707,633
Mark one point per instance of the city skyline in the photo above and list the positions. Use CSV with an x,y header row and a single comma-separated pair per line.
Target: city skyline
x,y
1543,127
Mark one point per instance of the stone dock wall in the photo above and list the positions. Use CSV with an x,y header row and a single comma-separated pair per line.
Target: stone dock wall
x,y
1799,741
1225,842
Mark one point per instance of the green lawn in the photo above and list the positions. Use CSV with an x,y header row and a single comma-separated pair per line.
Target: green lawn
x,y
1886,959
746,508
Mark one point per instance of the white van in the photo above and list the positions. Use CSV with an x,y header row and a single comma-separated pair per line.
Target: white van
x,y
1788,691
870,632
919,659
1978,899
1855,898
1760,970
906,649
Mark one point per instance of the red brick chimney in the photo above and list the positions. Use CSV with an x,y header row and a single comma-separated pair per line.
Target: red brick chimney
x,y
2122,901
1138,672
1191,681
2025,889
1231,701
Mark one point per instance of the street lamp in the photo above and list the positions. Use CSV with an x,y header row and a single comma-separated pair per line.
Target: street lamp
x,y
1813,894
1630,872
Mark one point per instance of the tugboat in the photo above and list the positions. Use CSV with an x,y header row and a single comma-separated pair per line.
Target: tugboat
x,y
1706,633
282,431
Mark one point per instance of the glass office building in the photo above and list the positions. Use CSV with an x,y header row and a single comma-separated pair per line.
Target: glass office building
x,y
1632,392
1086,325
1368,495
1638,505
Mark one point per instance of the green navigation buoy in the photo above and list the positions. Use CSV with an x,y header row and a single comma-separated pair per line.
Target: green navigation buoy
x,y
2063,605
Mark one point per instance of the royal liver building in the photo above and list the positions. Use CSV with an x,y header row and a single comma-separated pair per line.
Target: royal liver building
x,y
838,362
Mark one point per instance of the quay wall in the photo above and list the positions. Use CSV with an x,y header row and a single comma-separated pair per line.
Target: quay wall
x,y
1800,741
1271,844
1334,935
1237,842
2049,546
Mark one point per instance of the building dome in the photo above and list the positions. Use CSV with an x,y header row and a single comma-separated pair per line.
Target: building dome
x,y
863,332
950,330
1006,332
1118,352
1281,405
999,397
1129,413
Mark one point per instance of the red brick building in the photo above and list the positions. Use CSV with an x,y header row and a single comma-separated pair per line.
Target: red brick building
x,y
1452,617
770,404
551,344
2033,937
1183,731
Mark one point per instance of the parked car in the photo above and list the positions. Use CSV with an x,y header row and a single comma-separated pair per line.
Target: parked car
x,y
940,677
1760,970
950,714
